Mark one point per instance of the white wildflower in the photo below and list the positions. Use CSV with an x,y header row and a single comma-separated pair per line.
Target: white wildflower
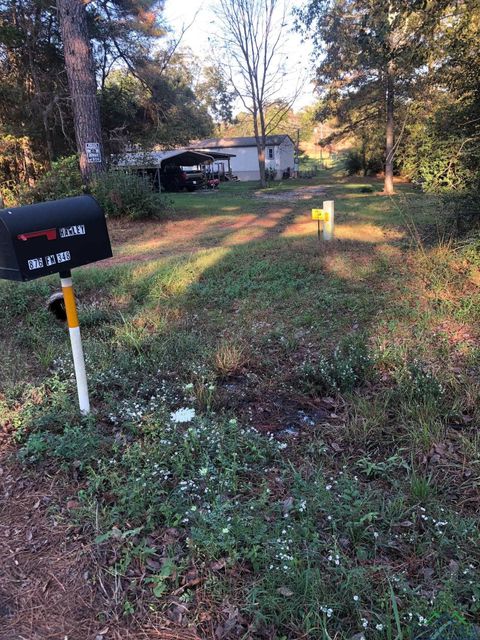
x,y
182,415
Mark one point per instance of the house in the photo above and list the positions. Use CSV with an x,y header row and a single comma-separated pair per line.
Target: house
x,y
279,154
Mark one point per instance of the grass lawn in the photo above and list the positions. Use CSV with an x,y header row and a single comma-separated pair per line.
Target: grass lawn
x,y
284,442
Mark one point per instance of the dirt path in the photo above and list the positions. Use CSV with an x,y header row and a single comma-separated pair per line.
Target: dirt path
x,y
295,195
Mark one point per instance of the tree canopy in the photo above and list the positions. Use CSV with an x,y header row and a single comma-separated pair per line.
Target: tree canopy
x,y
144,96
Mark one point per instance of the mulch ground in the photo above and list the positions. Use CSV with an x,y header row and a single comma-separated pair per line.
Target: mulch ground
x,y
44,571
48,569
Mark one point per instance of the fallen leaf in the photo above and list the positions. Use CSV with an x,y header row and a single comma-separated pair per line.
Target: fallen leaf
x,y
171,535
287,505
218,565
153,564
176,612
453,566
284,591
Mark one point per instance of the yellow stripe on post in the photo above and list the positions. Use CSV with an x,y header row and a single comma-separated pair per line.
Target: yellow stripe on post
x,y
70,306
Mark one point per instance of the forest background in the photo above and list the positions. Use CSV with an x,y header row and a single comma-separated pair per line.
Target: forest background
x,y
404,72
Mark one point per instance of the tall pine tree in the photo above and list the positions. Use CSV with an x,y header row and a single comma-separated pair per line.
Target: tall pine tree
x,y
373,53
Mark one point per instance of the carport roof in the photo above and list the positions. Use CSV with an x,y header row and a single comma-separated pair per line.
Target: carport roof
x,y
145,159
217,155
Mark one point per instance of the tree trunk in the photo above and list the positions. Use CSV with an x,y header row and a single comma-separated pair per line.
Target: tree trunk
x,y
389,148
48,136
28,162
260,140
364,156
82,85
263,144
261,164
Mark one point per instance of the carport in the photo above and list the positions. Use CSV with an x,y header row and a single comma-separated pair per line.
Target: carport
x,y
216,169
151,163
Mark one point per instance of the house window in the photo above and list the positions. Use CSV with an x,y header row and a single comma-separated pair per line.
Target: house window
x,y
270,153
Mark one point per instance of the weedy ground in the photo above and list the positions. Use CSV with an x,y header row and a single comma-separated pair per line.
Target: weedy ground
x,y
285,436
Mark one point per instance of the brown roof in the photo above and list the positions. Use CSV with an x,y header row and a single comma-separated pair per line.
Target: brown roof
x,y
245,141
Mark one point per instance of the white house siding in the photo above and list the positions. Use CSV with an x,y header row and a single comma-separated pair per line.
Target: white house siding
x,y
283,158
286,153
244,164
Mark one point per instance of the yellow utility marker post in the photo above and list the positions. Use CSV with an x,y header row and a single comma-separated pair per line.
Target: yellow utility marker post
x,y
326,217
76,341
319,216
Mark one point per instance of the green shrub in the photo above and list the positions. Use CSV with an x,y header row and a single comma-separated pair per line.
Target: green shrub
x,y
125,195
356,163
177,474
62,181
79,444
47,407
462,211
418,385
353,163
121,195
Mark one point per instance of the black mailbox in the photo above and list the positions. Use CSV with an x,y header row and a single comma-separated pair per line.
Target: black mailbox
x,y
52,237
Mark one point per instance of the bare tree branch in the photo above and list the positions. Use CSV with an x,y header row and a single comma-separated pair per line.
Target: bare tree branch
x,y
253,33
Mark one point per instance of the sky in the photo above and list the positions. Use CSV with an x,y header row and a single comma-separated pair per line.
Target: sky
x,y
178,14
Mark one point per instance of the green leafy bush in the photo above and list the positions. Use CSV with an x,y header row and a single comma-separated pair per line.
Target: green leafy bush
x,y
462,211
418,385
353,163
125,195
62,181
121,195
79,444
441,152
356,163
163,477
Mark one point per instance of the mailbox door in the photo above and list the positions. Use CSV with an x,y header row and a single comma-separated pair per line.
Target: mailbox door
x,y
8,261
